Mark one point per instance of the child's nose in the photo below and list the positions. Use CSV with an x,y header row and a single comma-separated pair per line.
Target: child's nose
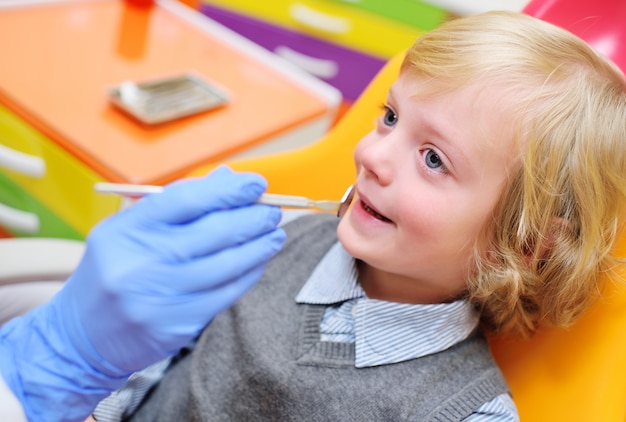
x,y
377,158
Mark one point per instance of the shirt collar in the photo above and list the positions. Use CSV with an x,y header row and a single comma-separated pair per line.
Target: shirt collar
x,y
333,280
386,332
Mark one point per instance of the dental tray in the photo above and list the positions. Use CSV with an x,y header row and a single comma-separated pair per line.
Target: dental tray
x,y
166,99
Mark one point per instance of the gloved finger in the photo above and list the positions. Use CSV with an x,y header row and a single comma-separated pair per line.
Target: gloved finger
x,y
205,306
222,229
212,272
187,199
232,292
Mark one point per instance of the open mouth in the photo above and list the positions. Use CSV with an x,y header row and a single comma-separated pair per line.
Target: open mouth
x,y
374,213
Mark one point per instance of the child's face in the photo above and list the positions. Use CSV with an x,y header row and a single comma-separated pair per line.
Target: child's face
x,y
428,178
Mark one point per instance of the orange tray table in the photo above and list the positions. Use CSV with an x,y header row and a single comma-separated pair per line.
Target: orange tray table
x,y
60,58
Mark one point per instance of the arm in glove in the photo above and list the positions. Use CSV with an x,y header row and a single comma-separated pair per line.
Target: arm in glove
x,y
151,278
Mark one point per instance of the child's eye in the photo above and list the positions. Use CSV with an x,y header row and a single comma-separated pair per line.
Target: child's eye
x,y
433,161
389,117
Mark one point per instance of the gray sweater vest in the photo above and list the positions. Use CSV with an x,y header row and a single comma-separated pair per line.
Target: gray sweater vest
x,y
262,360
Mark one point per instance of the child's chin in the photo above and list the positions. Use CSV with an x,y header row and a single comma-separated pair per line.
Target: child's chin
x,y
346,235
351,241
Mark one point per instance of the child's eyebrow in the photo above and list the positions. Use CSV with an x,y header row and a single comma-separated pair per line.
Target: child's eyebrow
x,y
449,142
390,94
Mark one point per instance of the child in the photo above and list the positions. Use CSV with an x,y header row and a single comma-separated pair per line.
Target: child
x,y
491,191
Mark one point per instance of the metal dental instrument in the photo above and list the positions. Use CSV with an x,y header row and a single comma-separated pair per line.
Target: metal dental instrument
x,y
346,200
287,201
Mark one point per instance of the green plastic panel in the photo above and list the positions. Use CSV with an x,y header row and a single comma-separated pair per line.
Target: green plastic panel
x,y
50,225
414,13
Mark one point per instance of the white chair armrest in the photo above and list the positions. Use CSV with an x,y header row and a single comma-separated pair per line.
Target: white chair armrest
x,y
38,259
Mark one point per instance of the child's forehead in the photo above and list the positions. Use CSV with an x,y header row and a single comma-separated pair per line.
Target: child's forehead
x,y
441,105
422,87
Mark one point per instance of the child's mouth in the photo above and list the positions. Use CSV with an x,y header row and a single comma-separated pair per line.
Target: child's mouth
x,y
374,213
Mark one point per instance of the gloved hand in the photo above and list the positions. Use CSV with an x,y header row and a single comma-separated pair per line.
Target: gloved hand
x,y
151,278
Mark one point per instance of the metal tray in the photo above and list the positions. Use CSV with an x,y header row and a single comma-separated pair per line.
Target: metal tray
x,y
166,99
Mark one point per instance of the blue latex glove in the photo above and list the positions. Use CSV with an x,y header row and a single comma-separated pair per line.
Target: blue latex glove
x,y
151,279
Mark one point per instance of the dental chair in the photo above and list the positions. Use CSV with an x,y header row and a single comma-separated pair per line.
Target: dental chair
x,y
578,374
32,270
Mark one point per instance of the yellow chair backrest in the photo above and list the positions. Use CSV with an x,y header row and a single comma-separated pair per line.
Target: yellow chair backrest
x,y
577,374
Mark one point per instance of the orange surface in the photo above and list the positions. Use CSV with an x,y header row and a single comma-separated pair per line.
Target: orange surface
x,y
575,374
58,60
4,234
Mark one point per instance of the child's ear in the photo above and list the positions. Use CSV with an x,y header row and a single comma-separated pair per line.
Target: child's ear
x,y
558,226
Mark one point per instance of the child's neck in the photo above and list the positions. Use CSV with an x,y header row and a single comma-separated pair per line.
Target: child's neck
x,y
391,287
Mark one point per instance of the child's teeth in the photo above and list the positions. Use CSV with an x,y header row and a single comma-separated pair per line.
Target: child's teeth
x,y
375,214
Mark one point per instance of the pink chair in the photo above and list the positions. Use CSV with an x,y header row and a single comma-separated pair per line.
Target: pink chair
x,y
602,23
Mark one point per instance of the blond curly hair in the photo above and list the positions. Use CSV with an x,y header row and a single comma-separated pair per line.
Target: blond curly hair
x,y
551,235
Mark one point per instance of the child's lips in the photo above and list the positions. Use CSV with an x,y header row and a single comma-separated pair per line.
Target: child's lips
x,y
372,211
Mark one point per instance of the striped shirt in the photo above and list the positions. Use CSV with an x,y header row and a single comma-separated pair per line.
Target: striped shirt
x,y
388,332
